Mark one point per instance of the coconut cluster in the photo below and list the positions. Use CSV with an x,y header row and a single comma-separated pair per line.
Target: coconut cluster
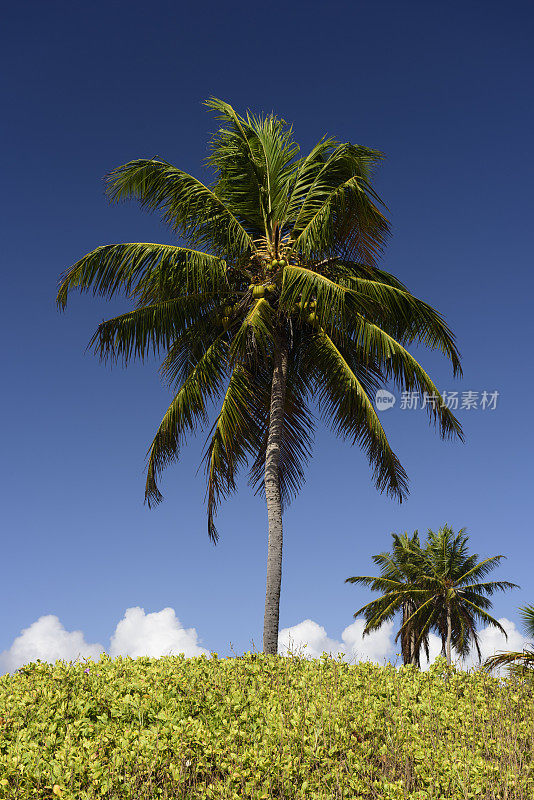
x,y
269,260
225,312
264,270
309,309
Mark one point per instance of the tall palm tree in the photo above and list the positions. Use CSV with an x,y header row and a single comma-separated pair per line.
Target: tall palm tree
x,y
273,297
397,573
519,663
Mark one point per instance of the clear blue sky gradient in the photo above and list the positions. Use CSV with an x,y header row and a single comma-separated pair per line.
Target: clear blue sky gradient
x,y
445,90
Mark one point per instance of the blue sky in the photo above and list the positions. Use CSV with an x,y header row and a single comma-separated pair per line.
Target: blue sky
x,y
445,91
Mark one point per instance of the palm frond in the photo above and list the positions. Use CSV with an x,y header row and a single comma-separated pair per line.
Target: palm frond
x,y
191,209
188,348
379,611
400,366
337,215
527,617
305,177
146,330
235,435
301,285
407,317
186,412
343,271
253,159
479,570
422,617
142,270
483,616
522,661
255,334
489,587
379,583
349,411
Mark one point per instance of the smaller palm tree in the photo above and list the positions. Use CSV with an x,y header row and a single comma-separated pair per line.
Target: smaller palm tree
x,y
396,579
438,588
451,588
518,663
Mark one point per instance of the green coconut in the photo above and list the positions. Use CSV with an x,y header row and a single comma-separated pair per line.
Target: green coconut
x,y
258,291
274,264
282,262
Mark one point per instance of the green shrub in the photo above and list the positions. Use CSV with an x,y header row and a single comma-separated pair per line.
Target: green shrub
x,y
262,727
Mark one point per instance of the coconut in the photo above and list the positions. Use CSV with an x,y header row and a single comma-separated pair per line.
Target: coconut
x,y
282,262
227,310
312,319
258,291
271,287
274,264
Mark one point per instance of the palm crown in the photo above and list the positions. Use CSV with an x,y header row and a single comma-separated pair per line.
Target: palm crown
x,y
280,253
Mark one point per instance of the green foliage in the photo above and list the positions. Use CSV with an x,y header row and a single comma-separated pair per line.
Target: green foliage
x,y
262,727
278,248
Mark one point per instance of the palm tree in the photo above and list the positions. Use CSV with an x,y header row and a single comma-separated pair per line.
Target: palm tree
x,y
440,586
274,298
519,663
452,591
395,581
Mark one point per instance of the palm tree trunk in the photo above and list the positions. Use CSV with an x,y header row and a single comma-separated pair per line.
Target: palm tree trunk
x,y
410,652
414,659
274,506
449,634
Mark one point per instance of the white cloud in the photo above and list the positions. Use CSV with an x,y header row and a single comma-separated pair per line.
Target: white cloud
x,y
47,639
380,647
377,646
137,634
155,635
161,633
307,633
